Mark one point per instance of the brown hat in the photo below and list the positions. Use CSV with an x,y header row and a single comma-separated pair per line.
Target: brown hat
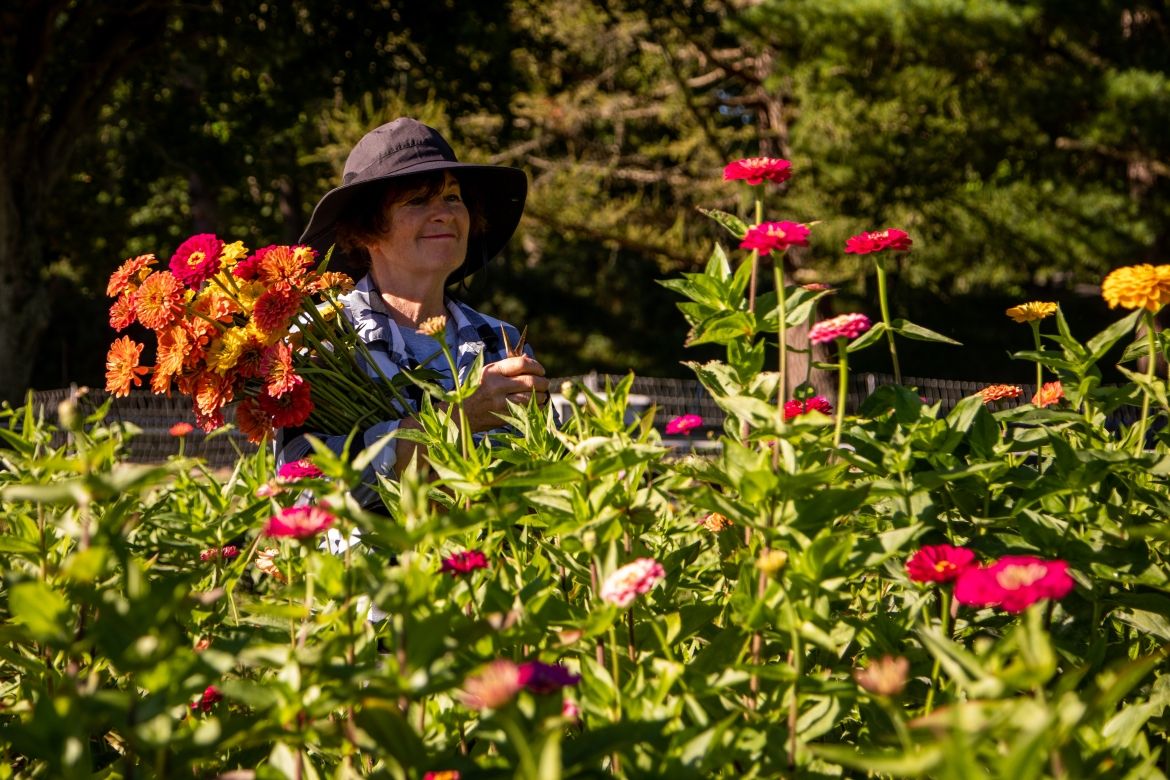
x,y
406,147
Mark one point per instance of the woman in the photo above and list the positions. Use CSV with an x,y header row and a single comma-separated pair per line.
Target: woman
x,y
408,220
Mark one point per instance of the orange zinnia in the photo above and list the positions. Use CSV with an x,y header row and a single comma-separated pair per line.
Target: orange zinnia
x,y
1137,287
993,393
252,421
122,366
159,300
275,309
123,311
1048,394
212,393
332,280
128,275
278,370
285,266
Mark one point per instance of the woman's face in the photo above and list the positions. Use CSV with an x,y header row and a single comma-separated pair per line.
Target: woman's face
x,y
427,235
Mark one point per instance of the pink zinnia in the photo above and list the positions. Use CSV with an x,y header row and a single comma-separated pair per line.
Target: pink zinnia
x,y
464,562
197,259
496,685
629,581
210,697
768,237
299,469
540,677
939,563
757,170
844,326
878,241
298,522
684,424
1014,582
795,407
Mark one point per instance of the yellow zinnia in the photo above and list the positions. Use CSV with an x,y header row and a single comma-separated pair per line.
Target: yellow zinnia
x,y
1032,311
1137,287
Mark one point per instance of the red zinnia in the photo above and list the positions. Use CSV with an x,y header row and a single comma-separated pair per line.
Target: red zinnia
x,y
211,697
795,408
939,563
878,241
197,259
768,237
683,424
1014,582
464,562
757,170
844,326
298,522
289,410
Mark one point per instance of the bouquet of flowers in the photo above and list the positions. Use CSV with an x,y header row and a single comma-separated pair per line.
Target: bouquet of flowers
x,y
248,328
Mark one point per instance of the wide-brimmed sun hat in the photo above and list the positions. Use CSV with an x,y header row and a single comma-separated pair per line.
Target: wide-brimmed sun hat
x,y
406,147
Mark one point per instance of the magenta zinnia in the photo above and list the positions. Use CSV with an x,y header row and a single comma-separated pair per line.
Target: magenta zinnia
x,y
796,407
683,424
542,678
757,170
939,563
768,237
1014,582
298,469
210,697
622,586
197,259
844,326
464,562
298,522
891,240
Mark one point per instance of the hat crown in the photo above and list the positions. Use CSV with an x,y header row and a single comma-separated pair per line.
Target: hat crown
x,y
395,147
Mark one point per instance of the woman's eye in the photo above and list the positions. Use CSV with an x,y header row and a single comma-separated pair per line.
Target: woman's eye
x,y
455,197
417,200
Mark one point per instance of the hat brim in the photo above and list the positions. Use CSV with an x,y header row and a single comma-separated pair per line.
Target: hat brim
x,y
502,192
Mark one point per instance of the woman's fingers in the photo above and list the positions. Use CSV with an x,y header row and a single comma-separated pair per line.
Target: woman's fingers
x,y
515,366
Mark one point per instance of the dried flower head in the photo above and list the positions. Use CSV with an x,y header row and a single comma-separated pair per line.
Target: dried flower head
x,y
993,393
715,522
1048,394
844,326
884,677
1032,311
1137,287
757,170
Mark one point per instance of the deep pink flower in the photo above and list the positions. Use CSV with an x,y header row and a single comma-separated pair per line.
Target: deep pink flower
x,y
683,424
540,677
212,553
570,710
298,469
939,563
844,326
629,581
210,697
768,237
891,240
197,259
298,522
464,562
1014,582
248,269
795,408
757,170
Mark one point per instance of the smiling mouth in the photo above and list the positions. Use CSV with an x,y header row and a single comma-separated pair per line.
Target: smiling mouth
x,y
441,235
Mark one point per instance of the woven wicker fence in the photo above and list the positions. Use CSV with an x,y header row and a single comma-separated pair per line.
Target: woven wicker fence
x,y
155,414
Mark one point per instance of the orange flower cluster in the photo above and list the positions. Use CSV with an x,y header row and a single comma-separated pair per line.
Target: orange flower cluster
x,y
993,393
221,319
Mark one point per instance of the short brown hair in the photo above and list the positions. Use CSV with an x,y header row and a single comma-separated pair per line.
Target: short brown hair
x,y
365,220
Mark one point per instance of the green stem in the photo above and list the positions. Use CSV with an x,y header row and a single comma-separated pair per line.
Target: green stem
x,y
1151,343
884,302
1036,340
782,334
842,388
755,260
946,617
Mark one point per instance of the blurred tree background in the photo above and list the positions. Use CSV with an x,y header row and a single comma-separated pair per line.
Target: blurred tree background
x,y
1022,144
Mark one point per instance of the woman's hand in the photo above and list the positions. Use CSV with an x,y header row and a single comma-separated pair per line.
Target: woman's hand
x,y
513,379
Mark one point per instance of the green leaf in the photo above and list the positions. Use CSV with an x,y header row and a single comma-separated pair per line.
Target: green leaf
x,y
869,337
912,331
733,224
41,610
1104,341
893,762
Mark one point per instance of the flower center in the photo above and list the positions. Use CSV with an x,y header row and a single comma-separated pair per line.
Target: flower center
x,y
944,567
1016,577
195,258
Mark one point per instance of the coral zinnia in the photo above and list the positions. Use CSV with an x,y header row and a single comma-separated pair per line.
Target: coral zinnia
x,y
129,275
274,309
496,685
122,366
290,409
892,240
1048,394
796,407
464,562
1137,287
197,259
757,170
629,581
123,311
844,326
277,368
939,563
159,301
1032,311
1014,582
683,424
284,266
181,429
768,237
298,522
993,393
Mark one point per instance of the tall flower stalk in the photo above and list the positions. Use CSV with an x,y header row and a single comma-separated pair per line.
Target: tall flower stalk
x,y
878,242
884,303
841,329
